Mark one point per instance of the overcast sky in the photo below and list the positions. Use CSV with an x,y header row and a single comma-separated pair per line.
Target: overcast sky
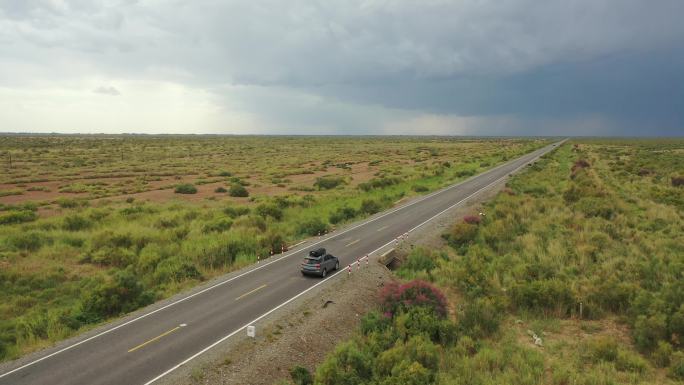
x,y
460,67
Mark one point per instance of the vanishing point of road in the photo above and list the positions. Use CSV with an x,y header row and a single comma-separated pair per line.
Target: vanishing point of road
x,y
145,348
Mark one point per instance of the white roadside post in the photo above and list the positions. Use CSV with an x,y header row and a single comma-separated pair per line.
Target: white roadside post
x,y
251,331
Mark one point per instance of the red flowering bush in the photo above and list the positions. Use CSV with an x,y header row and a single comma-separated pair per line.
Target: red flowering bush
x,y
396,297
581,163
472,219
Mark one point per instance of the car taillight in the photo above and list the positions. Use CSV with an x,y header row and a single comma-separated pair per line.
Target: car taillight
x,y
318,265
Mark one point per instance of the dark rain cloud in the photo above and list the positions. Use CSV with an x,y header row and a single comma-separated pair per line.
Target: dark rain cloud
x,y
351,66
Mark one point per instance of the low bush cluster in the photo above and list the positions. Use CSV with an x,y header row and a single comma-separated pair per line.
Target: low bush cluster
x,y
378,183
399,347
328,182
185,188
238,190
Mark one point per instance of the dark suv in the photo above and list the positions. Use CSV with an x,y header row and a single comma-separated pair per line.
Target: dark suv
x,y
319,262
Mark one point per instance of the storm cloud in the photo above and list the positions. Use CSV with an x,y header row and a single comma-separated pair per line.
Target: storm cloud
x,y
468,67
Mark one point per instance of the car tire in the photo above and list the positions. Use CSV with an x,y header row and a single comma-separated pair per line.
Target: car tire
x,y
337,265
324,273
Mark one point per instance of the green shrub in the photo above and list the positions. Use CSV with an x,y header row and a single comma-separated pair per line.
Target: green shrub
x,y
630,362
220,189
236,211
237,190
121,294
676,369
14,217
217,226
111,256
461,234
370,206
596,207
167,222
601,349
175,269
301,376
421,320
464,173
535,190
419,259
5,193
67,203
544,296
269,210
648,330
480,317
328,182
349,364
28,241
412,362
377,183
185,188
312,226
661,355
342,214
75,222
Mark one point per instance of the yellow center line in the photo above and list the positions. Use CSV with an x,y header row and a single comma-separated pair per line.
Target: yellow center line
x,y
351,243
250,292
154,339
382,228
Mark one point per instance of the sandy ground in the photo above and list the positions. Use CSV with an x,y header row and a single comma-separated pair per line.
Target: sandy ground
x,y
158,191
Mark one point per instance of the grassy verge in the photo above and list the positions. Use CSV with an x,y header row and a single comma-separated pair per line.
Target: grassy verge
x,y
573,276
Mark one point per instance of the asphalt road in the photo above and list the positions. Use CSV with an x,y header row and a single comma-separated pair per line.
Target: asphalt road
x,y
147,348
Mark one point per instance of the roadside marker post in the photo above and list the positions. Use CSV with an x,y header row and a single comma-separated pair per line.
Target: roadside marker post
x,y
358,264
251,331
366,259
348,270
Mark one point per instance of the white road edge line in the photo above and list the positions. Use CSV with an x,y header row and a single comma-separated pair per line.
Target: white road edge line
x,y
325,280
268,263
297,244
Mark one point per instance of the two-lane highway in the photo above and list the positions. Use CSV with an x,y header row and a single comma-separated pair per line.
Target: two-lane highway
x,y
148,347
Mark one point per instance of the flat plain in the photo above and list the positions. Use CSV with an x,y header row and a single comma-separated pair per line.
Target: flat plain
x,y
97,226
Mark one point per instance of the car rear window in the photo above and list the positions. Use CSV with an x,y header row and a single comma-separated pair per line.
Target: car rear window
x,y
312,260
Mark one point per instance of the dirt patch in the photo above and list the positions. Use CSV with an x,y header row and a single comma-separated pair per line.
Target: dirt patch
x,y
362,172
